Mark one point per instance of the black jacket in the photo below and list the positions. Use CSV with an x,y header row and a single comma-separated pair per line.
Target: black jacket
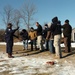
x,y
9,33
39,30
24,35
67,30
55,28
44,32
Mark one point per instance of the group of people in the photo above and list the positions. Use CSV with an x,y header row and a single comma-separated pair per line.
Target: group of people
x,y
50,34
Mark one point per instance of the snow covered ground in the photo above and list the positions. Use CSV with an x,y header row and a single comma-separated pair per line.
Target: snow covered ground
x,y
36,64
30,65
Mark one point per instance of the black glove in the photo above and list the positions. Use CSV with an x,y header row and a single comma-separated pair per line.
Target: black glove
x,y
17,37
17,28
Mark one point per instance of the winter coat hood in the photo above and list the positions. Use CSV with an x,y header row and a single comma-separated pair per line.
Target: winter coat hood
x,y
55,20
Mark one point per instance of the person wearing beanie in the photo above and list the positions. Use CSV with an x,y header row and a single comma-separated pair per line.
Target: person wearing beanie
x,y
9,33
33,36
67,30
44,35
24,37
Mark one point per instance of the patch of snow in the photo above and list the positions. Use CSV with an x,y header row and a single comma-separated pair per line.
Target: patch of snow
x,y
15,43
32,65
21,43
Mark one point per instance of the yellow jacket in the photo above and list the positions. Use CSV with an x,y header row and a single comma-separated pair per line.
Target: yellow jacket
x,y
32,35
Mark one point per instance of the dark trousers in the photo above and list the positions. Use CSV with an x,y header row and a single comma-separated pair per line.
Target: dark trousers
x,y
46,44
33,42
67,43
51,46
9,47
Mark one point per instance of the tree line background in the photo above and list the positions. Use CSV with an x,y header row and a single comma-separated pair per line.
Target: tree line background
x,y
18,17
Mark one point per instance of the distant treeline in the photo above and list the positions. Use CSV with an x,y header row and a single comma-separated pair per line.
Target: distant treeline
x,y
2,32
2,35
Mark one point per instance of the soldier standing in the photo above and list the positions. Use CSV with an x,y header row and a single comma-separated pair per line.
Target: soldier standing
x,y
9,33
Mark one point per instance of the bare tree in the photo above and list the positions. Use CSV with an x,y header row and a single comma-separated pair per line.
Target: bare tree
x,y
28,11
11,15
16,19
7,14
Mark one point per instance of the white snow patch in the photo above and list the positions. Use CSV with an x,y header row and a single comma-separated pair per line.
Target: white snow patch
x,y
21,43
30,65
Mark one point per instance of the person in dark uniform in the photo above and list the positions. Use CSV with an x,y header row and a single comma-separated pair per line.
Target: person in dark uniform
x,y
67,30
9,33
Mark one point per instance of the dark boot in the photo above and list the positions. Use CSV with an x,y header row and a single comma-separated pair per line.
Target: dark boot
x,y
10,55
